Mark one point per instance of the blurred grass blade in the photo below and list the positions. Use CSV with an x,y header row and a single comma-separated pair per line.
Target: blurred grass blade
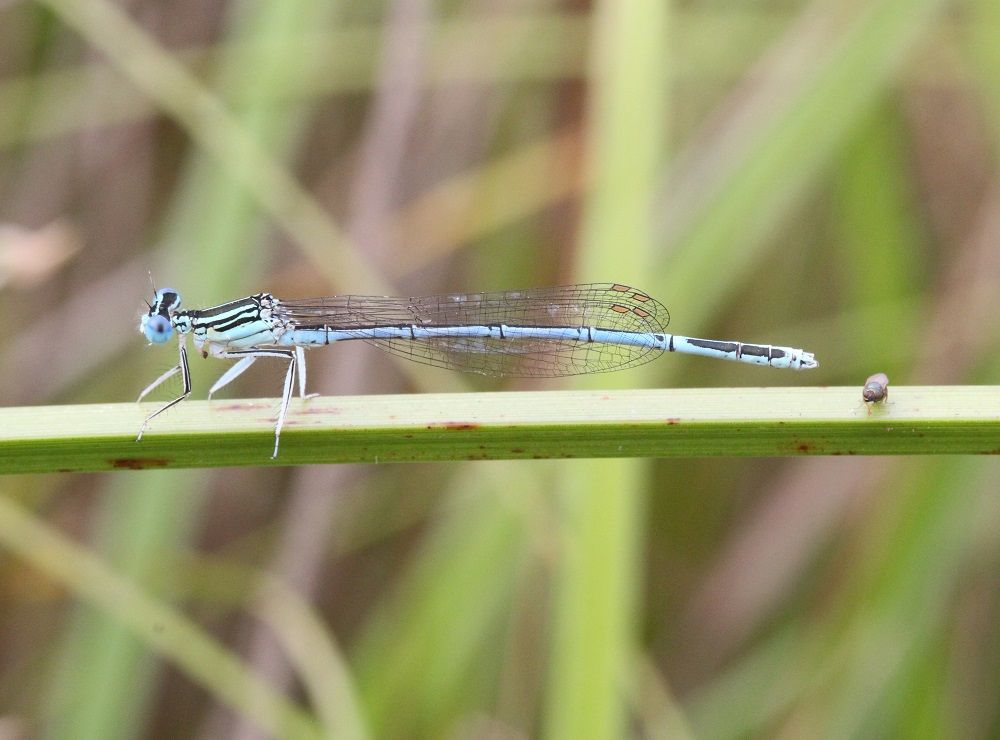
x,y
447,615
732,186
600,534
322,668
138,523
160,628
208,122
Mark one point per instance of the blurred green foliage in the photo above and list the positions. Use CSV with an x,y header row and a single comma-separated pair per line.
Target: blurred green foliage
x,y
818,174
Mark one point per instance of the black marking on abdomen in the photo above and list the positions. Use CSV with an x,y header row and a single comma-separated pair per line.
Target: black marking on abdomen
x,y
728,347
757,350
763,350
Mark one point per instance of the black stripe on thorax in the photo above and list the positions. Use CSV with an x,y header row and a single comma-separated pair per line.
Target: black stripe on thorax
x,y
227,316
227,308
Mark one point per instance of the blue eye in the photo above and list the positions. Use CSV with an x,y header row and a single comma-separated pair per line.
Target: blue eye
x,y
157,329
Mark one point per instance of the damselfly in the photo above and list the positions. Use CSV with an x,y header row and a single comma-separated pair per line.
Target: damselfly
x,y
540,332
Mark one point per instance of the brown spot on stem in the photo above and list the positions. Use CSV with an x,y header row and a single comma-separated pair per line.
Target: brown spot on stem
x,y
137,463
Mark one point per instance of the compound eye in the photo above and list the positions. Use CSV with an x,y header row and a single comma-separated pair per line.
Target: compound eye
x,y
158,329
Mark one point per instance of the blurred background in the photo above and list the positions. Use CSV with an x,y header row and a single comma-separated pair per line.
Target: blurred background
x,y
814,173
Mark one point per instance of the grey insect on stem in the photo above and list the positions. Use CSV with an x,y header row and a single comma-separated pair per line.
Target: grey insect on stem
x,y
876,389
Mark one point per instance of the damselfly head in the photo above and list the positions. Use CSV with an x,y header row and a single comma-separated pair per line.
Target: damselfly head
x,y
156,324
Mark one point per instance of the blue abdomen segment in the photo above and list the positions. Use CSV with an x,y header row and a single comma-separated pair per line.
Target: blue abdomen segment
x,y
630,338
502,334
751,354
323,335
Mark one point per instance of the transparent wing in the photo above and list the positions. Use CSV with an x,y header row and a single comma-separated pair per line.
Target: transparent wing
x,y
603,305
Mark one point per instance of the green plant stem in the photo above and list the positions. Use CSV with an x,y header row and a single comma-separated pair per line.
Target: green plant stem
x,y
487,426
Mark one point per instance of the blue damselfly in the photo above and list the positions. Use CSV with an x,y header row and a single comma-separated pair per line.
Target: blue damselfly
x,y
540,332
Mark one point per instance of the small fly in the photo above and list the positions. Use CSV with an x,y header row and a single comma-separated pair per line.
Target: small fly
x,y
876,390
